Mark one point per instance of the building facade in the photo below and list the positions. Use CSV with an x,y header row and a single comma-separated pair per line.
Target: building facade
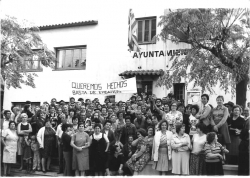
x,y
97,50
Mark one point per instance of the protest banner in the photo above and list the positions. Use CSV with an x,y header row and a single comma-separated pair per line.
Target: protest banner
x,y
81,88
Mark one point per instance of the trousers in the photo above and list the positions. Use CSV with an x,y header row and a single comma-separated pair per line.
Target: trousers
x,y
37,160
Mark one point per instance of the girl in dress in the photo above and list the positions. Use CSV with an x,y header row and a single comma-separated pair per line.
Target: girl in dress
x,y
27,155
193,121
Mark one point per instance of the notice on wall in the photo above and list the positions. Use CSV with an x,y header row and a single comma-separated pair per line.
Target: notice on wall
x,y
81,88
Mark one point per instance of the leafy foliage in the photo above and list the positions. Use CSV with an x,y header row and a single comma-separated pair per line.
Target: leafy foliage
x,y
220,40
19,44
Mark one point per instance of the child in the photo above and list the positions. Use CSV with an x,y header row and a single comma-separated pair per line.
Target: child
x,y
36,154
27,153
193,121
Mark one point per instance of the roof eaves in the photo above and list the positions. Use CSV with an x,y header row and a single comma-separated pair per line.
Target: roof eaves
x,y
73,24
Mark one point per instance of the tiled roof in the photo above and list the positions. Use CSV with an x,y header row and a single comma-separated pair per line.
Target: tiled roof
x,y
142,72
73,24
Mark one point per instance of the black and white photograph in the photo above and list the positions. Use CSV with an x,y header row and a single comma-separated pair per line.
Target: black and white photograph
x,y
125,88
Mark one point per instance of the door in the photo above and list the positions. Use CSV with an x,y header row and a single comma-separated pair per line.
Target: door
x,y
179,91
144,87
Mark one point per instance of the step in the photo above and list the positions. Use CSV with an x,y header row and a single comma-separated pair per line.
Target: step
x,y
34,174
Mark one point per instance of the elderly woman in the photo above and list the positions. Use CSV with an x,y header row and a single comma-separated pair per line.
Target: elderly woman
x,y
80,141
181,146
161,153
174,117
23,129
219,117
143,153
213,151
98,151
197,157
46,139
9,141
236,124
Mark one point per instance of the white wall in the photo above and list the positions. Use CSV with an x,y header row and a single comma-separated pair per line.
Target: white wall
x,y
107,55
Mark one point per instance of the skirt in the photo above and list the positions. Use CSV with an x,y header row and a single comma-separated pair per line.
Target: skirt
x,y
27,153
9,152
163,163
234,146
68,163
214,168
19,145
223,130
197,164
180,162
80,161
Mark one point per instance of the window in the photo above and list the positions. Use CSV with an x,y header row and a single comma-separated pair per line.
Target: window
x,y
71,57
146,29
111,97
179,91
32,65
21,104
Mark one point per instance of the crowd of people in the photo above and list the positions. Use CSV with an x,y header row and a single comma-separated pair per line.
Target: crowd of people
x,y
120,138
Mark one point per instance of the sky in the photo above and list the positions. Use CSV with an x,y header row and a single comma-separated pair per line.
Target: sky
x,y
46,12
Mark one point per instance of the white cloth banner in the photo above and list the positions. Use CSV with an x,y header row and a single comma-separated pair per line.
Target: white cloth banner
x,y
80,88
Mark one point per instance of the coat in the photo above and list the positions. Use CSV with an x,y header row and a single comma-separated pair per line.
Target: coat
x,y
156,145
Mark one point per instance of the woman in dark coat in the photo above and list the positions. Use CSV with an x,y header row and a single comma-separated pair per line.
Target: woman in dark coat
x,y
46,139
98,151
236,124
243,166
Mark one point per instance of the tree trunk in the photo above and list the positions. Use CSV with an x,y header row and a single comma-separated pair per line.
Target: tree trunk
x,y
241,92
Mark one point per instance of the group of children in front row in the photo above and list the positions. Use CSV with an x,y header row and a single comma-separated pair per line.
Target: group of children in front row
x,y
30,145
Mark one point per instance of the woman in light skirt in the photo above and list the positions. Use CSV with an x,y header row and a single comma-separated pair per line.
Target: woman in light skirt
x,y
161,152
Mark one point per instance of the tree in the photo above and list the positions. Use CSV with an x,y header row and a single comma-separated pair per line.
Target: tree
x,y
219,40
21,43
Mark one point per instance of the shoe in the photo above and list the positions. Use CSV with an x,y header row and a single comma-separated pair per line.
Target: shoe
x,y
21,168
44,171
